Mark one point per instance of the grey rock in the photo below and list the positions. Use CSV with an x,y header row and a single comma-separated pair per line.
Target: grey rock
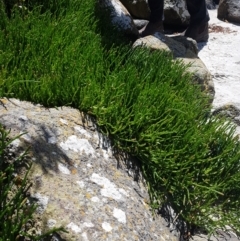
x,y
229,10
77,181
137,8
160,41
188,43
94,199
140,23
175,13
220,236
231,111
200,75
211,4
120,16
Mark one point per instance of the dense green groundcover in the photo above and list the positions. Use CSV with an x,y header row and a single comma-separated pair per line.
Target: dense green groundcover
x,y
66,53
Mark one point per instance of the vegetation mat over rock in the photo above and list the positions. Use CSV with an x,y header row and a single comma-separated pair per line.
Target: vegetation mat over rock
x,y
66,53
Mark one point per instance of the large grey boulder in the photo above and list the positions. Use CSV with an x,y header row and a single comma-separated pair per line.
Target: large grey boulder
x,y
160,41
77,180
120,16
185,50
229,10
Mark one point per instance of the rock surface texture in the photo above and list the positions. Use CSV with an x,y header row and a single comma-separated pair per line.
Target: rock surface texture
x,y
77,180
212,4
120,16
137,8
80,183
175,13
229,10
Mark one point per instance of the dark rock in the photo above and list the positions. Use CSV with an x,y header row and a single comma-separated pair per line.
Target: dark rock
x,y
175,13
211,4
137,8
229,10
120,16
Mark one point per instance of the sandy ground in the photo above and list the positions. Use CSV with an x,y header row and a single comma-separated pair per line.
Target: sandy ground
x,y
221,55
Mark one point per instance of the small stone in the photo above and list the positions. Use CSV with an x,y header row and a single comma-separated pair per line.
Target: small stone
x,y
63,121
95,199
119,215
81,184
107,227
74,227
51,223
63,169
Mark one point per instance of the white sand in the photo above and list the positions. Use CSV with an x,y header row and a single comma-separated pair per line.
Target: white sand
x,y
221,55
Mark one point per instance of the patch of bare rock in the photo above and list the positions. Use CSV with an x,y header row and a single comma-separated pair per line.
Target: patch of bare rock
x,y
79,182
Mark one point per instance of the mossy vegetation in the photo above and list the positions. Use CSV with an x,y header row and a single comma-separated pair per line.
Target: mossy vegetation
x,y
66,53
